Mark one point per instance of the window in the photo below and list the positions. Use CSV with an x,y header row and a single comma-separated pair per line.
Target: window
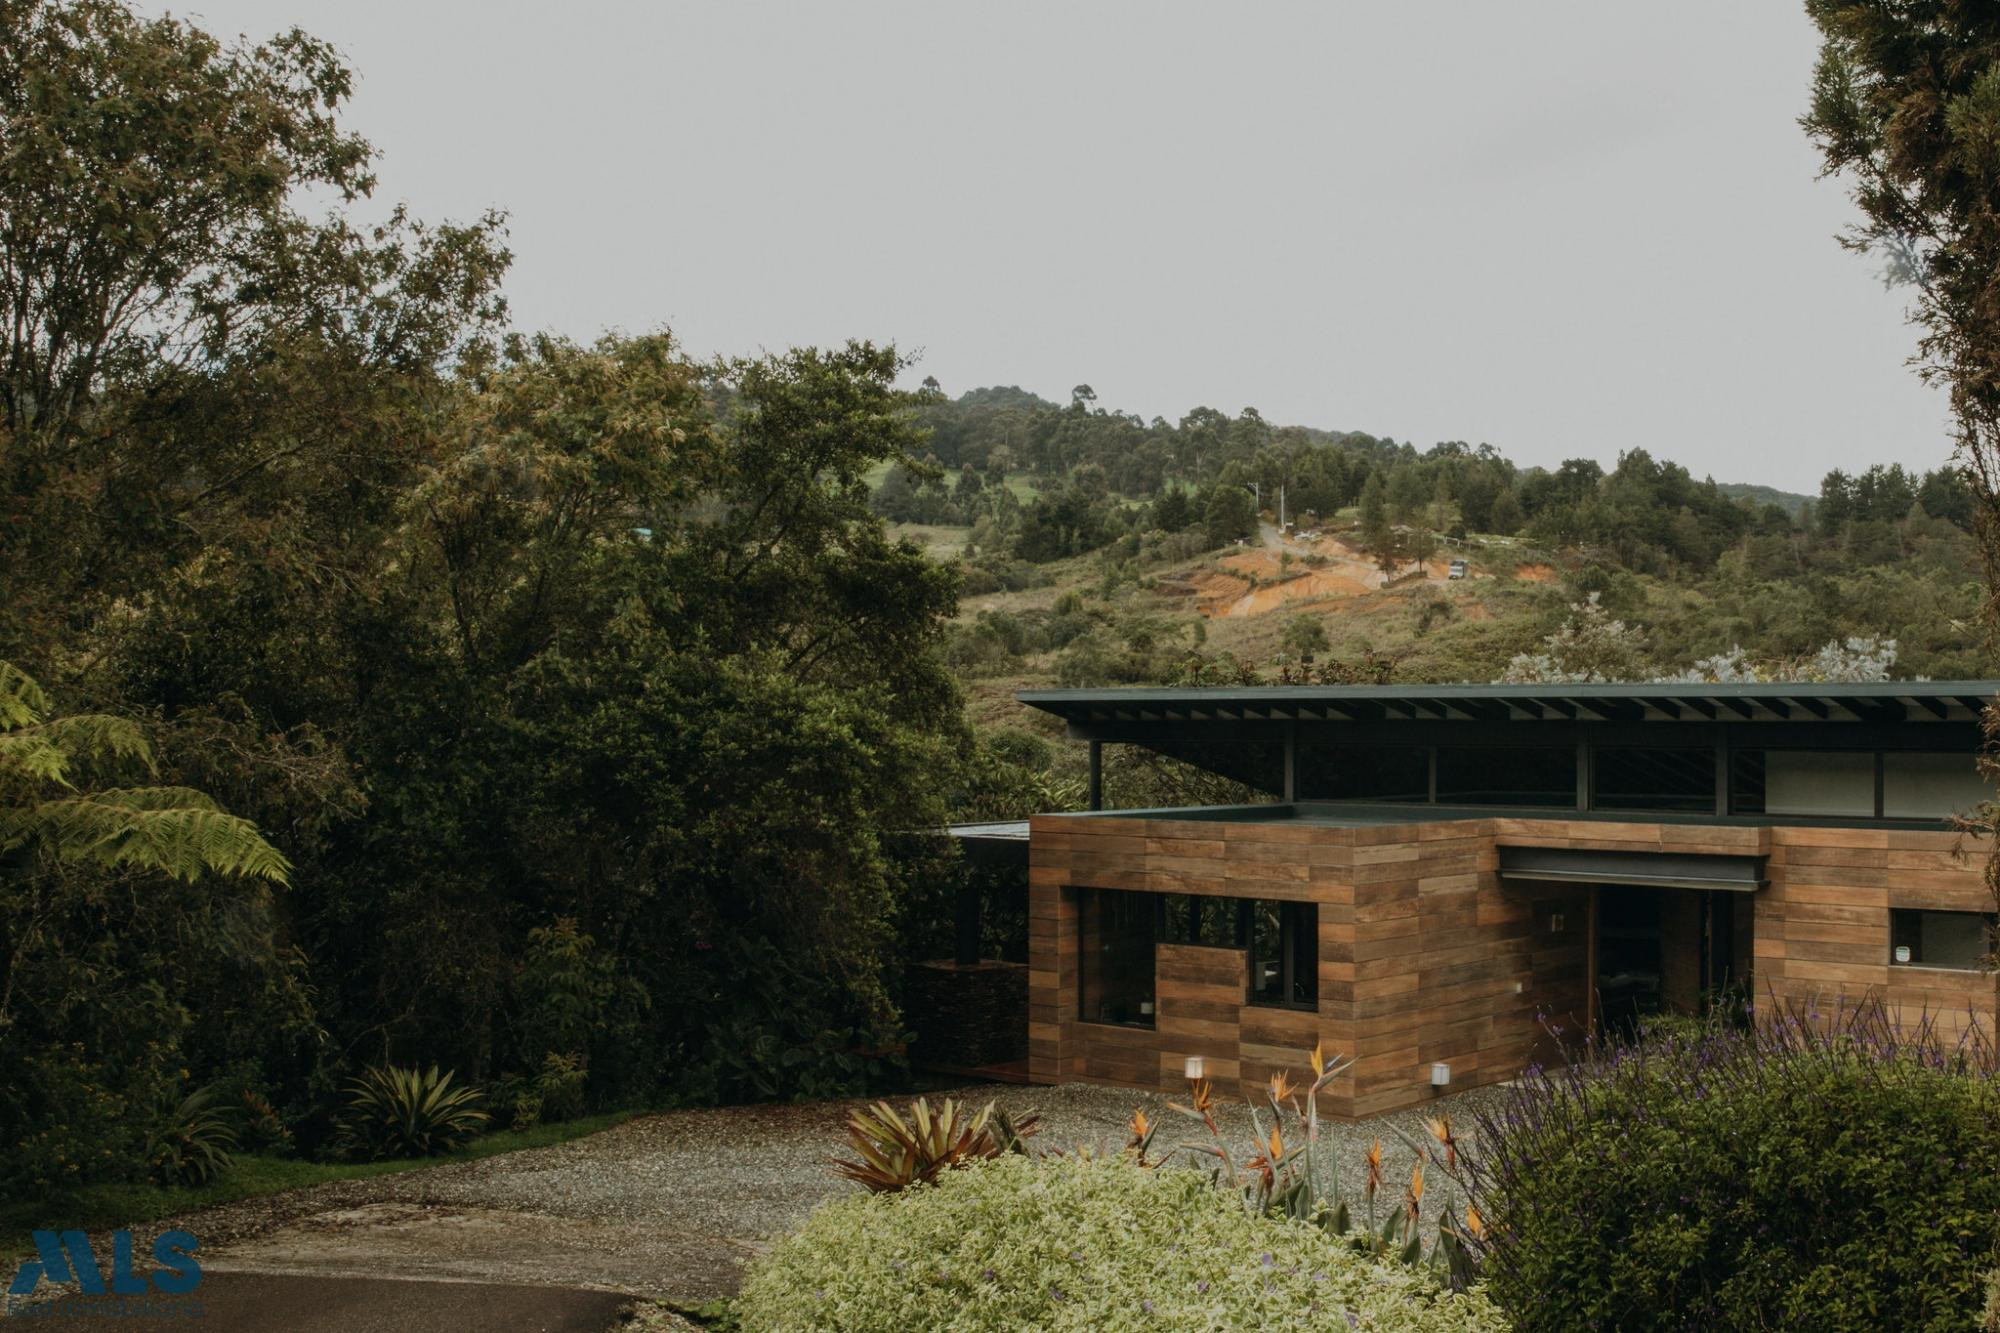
x,y
1284,954
1115,957
1194,918
1803,782
1258,765
1363,772
1930,786
1960,940
1652,780
1507,776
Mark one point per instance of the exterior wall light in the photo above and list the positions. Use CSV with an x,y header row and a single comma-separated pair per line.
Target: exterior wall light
x,y
1440,1075
1194,1067
1556,923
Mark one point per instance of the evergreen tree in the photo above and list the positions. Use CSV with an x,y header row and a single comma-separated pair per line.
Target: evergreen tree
x,y
1377,537
1230,515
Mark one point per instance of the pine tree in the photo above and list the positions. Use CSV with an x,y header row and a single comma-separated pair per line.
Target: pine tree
x,y
1377,537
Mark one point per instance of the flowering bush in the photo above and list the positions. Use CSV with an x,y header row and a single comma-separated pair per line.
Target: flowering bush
x,y
1813,1171
1282,1174
1076,1242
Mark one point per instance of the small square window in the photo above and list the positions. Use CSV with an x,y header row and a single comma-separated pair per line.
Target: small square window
x,y
1284,954
1191,918
1958,940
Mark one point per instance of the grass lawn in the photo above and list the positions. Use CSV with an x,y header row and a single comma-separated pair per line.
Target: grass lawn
x,y
102,1206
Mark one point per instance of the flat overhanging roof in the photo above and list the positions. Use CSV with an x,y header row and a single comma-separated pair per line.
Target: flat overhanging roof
x,y
998,842
1895,701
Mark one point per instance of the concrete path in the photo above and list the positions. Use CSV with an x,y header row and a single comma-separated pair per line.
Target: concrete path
x,y
265,1302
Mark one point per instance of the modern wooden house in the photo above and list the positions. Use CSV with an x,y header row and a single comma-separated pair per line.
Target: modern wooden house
x,y
1443,873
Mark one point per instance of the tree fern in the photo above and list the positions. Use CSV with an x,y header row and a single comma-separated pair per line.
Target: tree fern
x,y
174,830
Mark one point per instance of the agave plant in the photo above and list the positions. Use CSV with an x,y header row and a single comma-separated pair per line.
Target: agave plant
x,y
397,1112
895,1153
194,1145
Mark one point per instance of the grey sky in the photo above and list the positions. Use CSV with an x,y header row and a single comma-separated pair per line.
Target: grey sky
x,y
1564,228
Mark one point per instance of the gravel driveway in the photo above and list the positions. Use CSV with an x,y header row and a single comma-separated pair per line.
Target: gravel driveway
x,y
669,1205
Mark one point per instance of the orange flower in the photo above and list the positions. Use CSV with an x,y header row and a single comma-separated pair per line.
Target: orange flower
x,y
1277,1145
1374,1167
1281,1086
1318,1058
1473,1224
1413,1201
1141,1126
1440,1129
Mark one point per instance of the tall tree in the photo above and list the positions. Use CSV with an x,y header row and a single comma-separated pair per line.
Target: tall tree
x,y
1230,515
1378,538
153,240
1906,107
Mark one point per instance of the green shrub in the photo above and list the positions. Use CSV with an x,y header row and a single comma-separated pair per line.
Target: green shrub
x,y
1824,1173
1076,1243
560,1086
71,1117
394,1112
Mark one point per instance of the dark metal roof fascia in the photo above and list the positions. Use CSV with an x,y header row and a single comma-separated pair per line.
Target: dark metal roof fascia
x,y
1664,870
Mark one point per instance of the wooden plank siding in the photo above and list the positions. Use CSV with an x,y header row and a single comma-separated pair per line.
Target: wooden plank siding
x,y
1425,955
1822,928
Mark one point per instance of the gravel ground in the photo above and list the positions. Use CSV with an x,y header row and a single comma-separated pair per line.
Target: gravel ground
x,y
673,1205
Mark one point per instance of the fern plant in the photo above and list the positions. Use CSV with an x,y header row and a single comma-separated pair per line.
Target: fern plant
x,y
397,1112
175,830
194,1145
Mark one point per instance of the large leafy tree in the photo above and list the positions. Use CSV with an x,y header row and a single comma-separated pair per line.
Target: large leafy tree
x,y
1906,108
671,659
177,332
486,634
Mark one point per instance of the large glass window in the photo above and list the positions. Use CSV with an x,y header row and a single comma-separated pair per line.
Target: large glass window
x,y
1284,954
1653,780
1960,940
1195,918
1258,766
1804,782
1363,772
1115,957
1521,775
1930,786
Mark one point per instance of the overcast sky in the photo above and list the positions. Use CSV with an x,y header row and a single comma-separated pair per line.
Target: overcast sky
x,y
1567,229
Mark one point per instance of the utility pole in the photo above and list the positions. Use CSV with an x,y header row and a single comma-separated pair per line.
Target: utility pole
x,y
1281,506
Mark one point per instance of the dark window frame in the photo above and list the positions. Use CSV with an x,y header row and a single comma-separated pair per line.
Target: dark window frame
x,y
1427,752
1290,911
1571,791
1089,899
1214,906
1901,916
1593,771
